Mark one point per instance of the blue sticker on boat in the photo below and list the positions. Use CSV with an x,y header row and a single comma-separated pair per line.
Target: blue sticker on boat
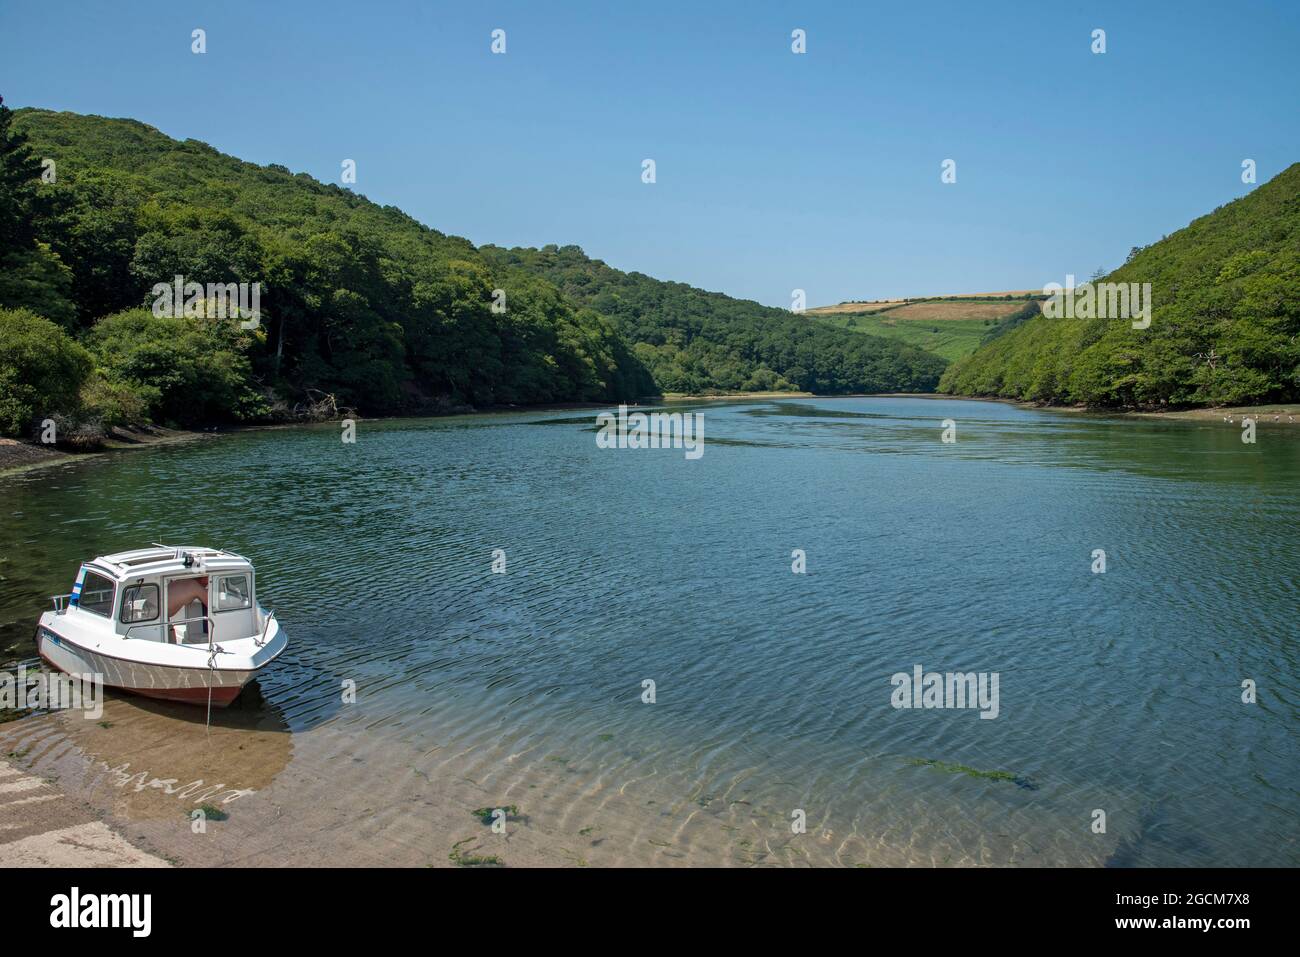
x,y
75,597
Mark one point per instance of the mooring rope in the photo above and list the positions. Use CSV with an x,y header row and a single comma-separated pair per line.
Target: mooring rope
x,y
212,670
213,651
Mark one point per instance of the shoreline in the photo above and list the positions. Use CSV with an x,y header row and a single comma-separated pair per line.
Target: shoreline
x,y
722,397
1286,413
41,825
17,456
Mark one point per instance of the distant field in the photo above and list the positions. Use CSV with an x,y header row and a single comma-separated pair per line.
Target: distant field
x,y
950,328
879,305
949,310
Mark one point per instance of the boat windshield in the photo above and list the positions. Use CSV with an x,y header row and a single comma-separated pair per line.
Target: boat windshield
x,y
96,594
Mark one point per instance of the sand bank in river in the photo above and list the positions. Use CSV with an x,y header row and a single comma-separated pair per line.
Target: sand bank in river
x,y
1286,414
687,397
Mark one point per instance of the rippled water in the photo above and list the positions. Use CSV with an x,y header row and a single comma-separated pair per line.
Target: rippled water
x,y
1118,691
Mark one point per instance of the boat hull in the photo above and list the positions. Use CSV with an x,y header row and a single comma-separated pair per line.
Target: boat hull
x,y
165,682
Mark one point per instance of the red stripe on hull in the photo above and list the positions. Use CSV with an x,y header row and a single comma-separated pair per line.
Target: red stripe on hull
x,y
221,696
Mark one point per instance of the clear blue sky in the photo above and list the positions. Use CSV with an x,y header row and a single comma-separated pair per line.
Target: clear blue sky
x,y
775,171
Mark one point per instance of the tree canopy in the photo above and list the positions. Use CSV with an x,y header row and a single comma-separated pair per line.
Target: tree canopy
x,y
697,342
357,300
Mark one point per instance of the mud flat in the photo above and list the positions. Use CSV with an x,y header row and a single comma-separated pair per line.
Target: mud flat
x,y
18,456
15,455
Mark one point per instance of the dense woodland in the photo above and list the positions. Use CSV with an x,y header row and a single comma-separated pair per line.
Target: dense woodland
x,y
359,302
695,341
1225,326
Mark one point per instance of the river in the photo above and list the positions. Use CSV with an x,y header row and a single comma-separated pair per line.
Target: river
x,y
1117,691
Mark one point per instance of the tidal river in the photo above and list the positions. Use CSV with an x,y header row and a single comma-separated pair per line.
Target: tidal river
x,y
770,589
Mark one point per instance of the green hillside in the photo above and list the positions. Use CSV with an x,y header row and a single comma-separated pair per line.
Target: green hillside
x,y
361,305
360,301
1225,323
950,338
696,341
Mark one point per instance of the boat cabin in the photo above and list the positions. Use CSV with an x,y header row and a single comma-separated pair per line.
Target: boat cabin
x,y
174,595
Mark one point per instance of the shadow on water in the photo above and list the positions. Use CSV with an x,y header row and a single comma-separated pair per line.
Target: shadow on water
x,y
148,759
251,710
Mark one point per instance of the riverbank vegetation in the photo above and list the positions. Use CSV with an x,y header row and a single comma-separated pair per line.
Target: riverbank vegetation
x,y
1225,322
359,302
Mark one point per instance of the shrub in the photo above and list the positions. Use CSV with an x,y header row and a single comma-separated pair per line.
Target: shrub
x,y
188,371
115,404
42,371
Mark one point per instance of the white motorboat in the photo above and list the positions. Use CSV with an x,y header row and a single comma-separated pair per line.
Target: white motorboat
x,y
182,624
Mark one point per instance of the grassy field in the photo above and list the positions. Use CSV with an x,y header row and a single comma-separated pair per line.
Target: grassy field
x,y
879,305
951,338
950,328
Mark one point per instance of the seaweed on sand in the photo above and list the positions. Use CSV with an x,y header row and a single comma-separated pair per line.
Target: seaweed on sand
x,y
465,859
213,813
1019,780
486,814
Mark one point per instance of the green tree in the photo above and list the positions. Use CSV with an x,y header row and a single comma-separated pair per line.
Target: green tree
x,y
187,371
20,171
31,274
35,278
42,371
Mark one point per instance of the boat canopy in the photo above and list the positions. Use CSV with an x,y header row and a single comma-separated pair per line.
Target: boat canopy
x,y
169,593
169,560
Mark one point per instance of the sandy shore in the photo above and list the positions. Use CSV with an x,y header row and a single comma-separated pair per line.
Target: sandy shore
x,y
41,826
1265,414
1286,414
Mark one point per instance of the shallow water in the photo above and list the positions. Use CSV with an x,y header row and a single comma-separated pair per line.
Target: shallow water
x,y
1118,691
